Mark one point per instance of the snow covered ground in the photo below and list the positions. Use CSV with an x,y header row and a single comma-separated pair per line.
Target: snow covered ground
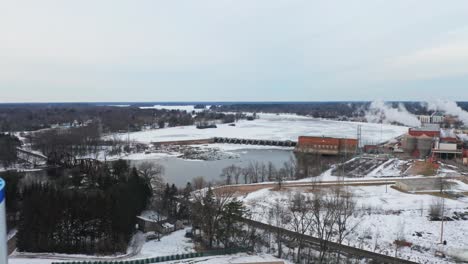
x,y
172,244
275,127
237,258
175,243
382,214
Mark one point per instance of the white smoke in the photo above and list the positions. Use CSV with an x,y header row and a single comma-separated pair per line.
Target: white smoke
x,y
448,107
379,111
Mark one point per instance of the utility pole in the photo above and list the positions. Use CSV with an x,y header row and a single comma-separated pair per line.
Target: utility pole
x,y
442,222
359,137
128,135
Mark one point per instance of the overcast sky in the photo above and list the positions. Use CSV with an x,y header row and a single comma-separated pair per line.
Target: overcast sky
x,y
233,50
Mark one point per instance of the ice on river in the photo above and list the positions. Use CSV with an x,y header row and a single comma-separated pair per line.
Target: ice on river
x,y
275,127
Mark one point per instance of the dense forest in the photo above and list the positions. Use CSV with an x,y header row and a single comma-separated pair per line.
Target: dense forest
x,y
24,117
8,146
83,213
113,119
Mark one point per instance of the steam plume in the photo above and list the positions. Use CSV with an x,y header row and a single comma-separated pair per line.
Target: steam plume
x,y
380,112
448,107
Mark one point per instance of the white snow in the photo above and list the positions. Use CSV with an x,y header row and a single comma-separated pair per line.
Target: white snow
x,y
391,168
236,258
274,127
30,261
382,212
175,243
188,108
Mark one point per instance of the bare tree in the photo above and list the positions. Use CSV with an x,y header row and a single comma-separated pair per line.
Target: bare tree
x,y
208,209
153,172
290,168
245,173
271,171
263,172
299,207
199,183
324,219
345,208
280,220
237,173
435,208
228,174
280,176
254,169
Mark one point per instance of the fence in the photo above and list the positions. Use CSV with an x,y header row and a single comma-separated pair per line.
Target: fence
x,y
163,258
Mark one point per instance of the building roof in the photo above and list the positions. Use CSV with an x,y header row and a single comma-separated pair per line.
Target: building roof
x,y
427,127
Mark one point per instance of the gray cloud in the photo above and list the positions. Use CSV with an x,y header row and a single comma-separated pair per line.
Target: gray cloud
x,y
55,50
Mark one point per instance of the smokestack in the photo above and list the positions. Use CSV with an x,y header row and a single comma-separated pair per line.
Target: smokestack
x,y
3,228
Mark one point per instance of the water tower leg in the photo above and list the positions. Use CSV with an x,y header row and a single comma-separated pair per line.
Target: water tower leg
x,y
3,227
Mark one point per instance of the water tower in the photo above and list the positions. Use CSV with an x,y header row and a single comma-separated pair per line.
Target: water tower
x,y
3,228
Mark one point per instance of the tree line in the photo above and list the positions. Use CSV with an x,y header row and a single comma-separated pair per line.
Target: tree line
x,y
325,214
256,172
321,109
8,149
216,213
33,117
92,213
25,117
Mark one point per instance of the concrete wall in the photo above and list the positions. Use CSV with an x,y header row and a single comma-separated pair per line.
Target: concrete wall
x,y
447,146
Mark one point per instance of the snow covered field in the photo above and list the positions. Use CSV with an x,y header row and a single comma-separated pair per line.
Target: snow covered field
x,y
275,127
188,108
382,214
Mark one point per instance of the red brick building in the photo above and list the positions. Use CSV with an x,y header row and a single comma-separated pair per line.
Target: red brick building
x,y
326,145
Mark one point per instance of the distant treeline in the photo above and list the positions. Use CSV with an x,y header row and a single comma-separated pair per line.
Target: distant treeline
x,y
8,145
111,118
83,213
320,109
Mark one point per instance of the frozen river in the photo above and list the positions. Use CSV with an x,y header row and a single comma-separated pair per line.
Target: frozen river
x,y
275,127
268,126
180,171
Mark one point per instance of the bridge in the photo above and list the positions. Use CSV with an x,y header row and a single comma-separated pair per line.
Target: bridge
x,y
262,142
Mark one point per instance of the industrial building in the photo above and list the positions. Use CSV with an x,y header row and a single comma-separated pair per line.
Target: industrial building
x,y
327,145
430,141
419,141
434,118
448,146
430,130
418,146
